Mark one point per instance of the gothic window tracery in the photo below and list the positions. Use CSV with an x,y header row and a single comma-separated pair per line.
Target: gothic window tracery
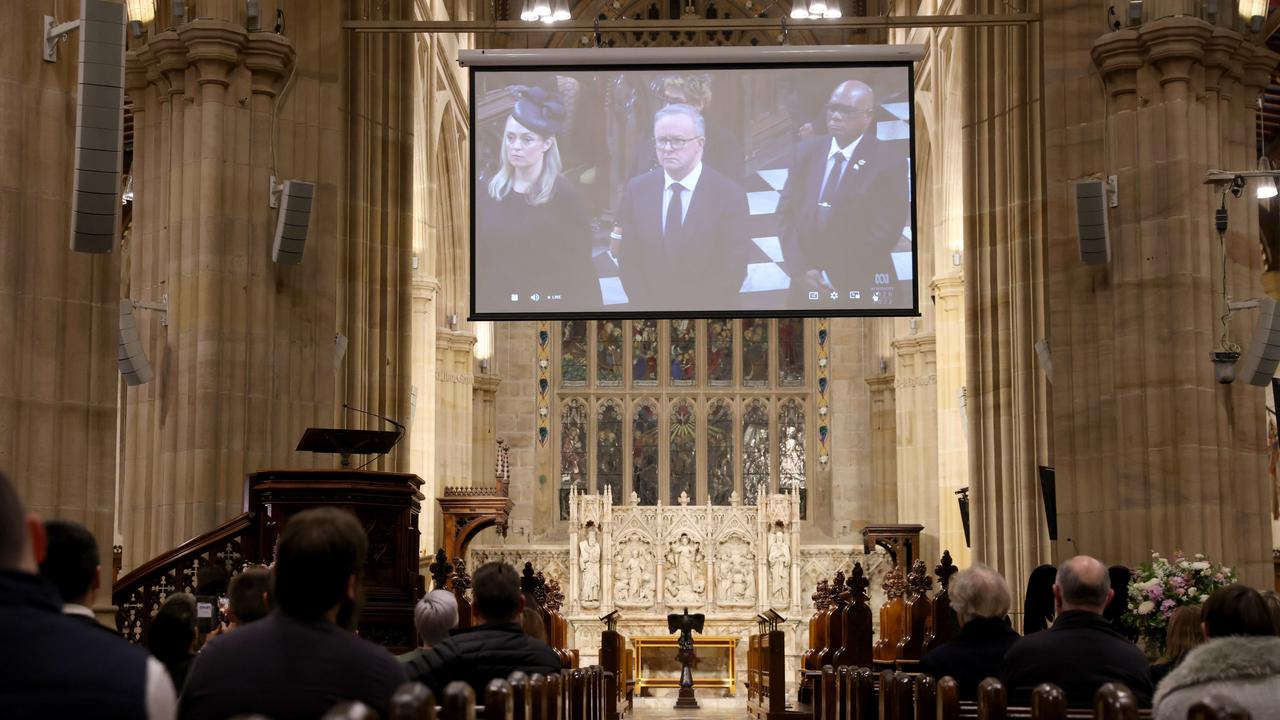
x,y
711,408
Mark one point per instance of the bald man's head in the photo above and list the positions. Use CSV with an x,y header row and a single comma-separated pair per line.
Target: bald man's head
x,y
1082,584
849,111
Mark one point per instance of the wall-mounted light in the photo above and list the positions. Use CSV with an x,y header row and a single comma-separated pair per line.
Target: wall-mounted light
x,y
484,344
546,11
815,9
144,11
1267,183
178,8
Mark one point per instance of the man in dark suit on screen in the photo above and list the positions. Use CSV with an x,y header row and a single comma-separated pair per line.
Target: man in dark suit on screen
x,y
844,204
683,225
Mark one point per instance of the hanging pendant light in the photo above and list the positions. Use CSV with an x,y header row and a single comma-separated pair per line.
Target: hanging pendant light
x,y
800,10
1267,183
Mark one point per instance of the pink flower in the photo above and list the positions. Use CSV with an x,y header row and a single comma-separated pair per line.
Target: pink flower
x,y
1178,581
1167,606
1155,592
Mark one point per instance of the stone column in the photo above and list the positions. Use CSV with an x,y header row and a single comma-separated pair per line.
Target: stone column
x,y
852,449
58,308
952,447
1151,453
422,428
454,407
916,402
1004,303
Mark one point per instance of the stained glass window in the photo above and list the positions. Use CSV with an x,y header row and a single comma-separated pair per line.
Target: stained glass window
x,y
573,452
755,353
644,454
790,352
720,475
644,352
755,450
684,350
684,459
720,352
573,352
791,447
609,353
609,449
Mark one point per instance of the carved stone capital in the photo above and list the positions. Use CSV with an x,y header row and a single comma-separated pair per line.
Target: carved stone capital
x,y
1220,56
135,79
1258,68
171,60
214,47
1118,56
1175,45
269,57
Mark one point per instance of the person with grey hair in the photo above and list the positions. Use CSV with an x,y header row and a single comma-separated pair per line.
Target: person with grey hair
x,y
434,616
980,600
683,226
1082,651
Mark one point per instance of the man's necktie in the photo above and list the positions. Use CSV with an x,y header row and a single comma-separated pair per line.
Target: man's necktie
x,y
833,180
675,212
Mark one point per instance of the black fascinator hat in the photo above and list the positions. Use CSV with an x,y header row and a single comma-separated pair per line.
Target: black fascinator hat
x,y
538,109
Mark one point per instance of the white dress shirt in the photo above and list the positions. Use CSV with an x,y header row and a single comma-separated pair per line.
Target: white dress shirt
x,y
689,182
847,152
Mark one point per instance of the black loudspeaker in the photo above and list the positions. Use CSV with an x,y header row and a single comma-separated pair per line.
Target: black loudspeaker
x,y
134,366
293,221
1049,491
962,497
1091,222
99,150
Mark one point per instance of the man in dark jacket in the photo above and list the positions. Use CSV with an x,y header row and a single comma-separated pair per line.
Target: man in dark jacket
x,y
56,665
494,648
1082,651
980,599
303,658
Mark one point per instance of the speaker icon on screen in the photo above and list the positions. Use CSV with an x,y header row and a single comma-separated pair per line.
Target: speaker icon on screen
x,y
535,297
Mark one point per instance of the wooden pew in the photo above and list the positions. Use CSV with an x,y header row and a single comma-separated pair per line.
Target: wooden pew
x,y
458,703
811,661
915,614
827,655
350,710
926,697
992,700
767,675
521,697
413,701
538,697
856,630
498,703
892,614
1048,702
1115,702
942,625
613,660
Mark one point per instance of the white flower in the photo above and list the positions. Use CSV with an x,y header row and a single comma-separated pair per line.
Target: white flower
x,y
1184,565
1146,607
1200,565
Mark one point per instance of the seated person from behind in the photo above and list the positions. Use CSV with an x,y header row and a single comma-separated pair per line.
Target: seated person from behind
x,y
303,658
494,648
72,565
1240,659
1082,651
980,598
173,636
56,665
249,597
434,616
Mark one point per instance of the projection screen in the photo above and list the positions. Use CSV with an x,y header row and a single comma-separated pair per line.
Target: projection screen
x,y
692,182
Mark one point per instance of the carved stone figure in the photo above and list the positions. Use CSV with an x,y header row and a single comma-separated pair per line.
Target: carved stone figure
x,y
633,582
734,574
779,566
684,581
589,566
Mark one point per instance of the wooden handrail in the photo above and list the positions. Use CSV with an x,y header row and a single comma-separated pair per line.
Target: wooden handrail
x,y
233,528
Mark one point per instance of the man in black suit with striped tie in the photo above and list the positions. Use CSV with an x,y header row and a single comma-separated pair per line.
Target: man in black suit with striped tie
x,y
683,225
845,202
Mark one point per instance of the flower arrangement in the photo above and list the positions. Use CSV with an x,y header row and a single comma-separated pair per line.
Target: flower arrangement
x,y
1162,585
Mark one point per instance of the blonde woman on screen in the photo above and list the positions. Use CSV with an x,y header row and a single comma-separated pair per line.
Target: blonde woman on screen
x,y
533,230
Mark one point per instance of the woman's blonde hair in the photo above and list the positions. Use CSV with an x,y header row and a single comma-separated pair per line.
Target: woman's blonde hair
x,y
545,186
1182,635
